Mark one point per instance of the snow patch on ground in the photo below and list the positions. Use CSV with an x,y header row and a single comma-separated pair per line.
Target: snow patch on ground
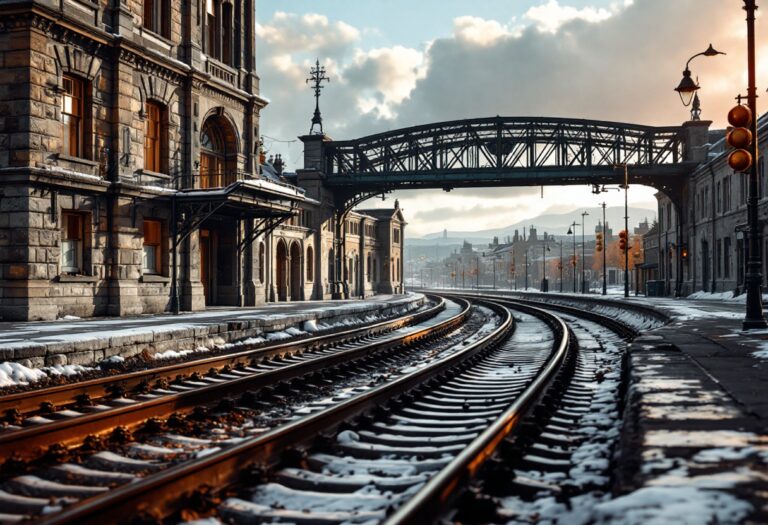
x,y
14,374
763,352
173,354
683,505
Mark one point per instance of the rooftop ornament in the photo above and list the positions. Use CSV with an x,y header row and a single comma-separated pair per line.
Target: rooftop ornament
x,y
317,77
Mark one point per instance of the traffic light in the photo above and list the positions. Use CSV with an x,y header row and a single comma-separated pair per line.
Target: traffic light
x,y
512,267
573,261
739,137
623,240
599,242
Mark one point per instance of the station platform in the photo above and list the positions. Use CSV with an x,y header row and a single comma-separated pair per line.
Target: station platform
x,y
696,416
75,341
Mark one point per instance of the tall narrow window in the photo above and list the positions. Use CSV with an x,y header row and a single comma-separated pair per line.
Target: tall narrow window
x,y
72,112
152,257
237,36
226,33
310,264
212,24
157,16
72,235
261,262
154,138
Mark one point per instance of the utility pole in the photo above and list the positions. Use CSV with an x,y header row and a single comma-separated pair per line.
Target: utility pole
x,y
572,230
583,254
605,277
626,229
526,269
754,317
561,265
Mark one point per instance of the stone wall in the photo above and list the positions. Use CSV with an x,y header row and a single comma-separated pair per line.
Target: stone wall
x,y
188,333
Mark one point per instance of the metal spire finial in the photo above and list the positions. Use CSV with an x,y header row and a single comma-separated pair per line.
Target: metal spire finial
x,y
317,77
696,108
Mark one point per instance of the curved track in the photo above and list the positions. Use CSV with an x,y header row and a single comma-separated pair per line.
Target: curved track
x,y
499,387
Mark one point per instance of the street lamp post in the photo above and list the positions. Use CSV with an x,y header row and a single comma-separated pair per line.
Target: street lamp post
x,y
605,277
572,231
626,229
544,283
560,267
583,254
754,317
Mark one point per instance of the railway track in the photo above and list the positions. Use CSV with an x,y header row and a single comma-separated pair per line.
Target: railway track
x,y
66,414
63,475
392,440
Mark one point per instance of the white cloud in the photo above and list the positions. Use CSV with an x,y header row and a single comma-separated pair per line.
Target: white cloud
x,y
550,17
619,63
308,33
479,31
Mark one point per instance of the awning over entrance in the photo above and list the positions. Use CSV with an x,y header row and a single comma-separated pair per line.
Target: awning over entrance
x,y
243,199
267,203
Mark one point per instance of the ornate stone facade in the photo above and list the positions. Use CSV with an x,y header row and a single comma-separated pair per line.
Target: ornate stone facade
x,y
128,135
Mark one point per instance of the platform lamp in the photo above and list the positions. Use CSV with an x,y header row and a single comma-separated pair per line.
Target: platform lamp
x,y
688,87
572,231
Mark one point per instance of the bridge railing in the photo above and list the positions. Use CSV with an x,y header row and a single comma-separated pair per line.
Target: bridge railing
x,y
497,144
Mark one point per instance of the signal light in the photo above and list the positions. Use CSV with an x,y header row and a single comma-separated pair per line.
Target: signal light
x,y
623,240
740,116
599,242
740,137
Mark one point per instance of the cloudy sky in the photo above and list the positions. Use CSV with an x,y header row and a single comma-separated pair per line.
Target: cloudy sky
x,y
396,63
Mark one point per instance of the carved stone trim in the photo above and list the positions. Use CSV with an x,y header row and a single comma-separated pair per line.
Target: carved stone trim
x,y
155,88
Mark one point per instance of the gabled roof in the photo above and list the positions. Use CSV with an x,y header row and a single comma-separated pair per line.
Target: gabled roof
x,y
384,214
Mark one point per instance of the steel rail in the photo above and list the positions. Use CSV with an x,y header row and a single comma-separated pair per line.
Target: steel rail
x,y
31,400
166,492
441,488
28,442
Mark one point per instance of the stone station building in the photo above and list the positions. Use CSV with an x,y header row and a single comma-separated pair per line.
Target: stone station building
x,y
131,174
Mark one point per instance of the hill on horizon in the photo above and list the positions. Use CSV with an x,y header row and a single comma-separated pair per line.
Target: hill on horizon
x,y
554,224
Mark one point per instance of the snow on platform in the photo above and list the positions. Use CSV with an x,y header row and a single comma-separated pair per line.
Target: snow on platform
x,y
62,345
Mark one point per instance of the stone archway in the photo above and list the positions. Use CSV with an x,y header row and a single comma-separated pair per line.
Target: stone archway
x,y
281,271
295,277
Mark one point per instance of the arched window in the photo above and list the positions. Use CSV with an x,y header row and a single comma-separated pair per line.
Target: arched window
x,y
156,139
368,268
261,262
310,262
218,153
392,264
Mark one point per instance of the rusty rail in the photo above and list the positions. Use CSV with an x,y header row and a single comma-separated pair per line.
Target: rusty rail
x,y
28,441
167,492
